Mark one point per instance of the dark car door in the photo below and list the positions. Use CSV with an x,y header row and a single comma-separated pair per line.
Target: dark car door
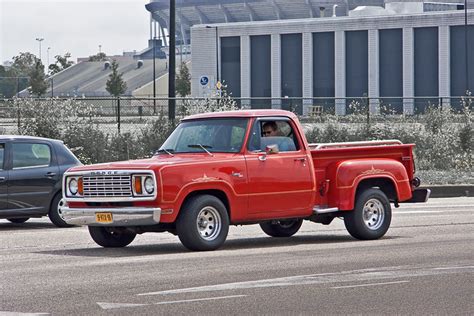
x,y
3,177
33,176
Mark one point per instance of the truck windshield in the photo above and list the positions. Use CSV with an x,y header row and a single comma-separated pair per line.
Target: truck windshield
x,y
212,135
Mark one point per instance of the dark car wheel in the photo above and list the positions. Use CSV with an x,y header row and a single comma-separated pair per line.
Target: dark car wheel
x,y
18,220
371,216
55,212
283,228
111,237
203,223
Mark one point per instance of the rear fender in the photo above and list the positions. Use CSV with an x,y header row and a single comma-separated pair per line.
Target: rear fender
x,y
349,174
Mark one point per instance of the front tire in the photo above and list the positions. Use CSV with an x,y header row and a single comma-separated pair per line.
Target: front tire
x,y
55,212
371,216
283,228
203,223
111,237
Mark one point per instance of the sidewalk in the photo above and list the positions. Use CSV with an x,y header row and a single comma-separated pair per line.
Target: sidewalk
x,y
438,191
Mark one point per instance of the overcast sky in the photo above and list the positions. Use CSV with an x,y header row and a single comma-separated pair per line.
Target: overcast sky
x,y
75,26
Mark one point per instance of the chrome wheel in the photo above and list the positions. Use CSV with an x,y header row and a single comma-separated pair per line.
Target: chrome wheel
x,y
209,223
373,214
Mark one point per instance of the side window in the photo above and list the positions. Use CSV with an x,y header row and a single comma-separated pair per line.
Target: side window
x,y
267,133
27,155
2,155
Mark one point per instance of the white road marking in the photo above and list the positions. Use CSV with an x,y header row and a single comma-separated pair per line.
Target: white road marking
x,y
107,306
447,212
344,276
200,299
368,284
5,313
104,305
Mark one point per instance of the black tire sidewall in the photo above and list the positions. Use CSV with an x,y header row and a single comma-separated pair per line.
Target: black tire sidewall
x,y
186,223
354,221
277,230
105,239
53,213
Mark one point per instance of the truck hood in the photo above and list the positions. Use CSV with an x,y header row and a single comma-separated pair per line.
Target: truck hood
x,y
155,162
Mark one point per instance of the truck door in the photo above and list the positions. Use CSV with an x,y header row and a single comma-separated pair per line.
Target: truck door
x,y
279,174
3,177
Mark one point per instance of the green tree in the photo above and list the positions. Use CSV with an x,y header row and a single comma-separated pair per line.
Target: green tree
x,y
61,63
98,57
183,81
38,83
115,84
23,64
7,83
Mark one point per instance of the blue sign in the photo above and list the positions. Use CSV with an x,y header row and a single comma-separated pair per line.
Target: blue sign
x,y
204,80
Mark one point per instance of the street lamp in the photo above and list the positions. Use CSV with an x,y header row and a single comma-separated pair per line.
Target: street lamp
x,y
39,39
154,75
47,58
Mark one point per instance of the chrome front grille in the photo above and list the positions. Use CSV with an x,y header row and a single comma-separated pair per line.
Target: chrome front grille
x,y
107,186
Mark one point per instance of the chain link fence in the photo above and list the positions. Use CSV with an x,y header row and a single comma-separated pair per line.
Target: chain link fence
x,y
125,114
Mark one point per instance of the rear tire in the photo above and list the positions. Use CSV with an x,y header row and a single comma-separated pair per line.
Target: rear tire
x,y
371,216
111,237
55,212
203,223
283,228
18,220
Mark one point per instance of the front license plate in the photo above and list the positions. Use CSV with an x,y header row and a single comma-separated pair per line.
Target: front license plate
x,y
103,217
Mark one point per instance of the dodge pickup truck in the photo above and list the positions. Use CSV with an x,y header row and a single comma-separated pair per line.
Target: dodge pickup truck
x,y
223,168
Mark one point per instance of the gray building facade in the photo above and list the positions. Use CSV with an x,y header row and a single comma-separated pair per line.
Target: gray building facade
x,y
324,61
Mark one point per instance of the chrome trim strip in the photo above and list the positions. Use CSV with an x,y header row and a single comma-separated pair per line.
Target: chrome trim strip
x,y
318,210
125,216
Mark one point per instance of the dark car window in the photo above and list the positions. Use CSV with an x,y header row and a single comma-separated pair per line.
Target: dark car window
x,y
2,150
27,155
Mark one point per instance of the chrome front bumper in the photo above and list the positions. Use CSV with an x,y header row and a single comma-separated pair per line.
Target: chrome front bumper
x,y
126,216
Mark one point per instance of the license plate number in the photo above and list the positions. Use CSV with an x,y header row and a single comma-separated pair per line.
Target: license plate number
x,y
103,217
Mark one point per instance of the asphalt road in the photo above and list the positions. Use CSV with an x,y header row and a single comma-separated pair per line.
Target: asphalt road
x,y
423,266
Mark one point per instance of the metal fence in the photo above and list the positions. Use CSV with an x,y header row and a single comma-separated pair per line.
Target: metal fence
x,y
127,114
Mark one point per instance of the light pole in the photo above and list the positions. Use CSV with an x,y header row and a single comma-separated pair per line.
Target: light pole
x,y
39,39
100,49
172,62
47,59
154,76
466,47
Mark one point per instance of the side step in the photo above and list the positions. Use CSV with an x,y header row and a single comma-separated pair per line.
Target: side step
x,y
318,209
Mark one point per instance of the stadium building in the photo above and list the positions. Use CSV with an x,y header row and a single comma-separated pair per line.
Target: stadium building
x,y
295,54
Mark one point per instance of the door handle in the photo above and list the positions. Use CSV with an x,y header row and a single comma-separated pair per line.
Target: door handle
x,y
300,159
2,179
50,174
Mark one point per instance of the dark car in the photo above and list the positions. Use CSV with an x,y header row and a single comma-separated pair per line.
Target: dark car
x,y
31,171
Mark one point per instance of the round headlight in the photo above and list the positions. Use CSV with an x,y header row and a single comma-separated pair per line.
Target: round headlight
x,y
73,186
149,185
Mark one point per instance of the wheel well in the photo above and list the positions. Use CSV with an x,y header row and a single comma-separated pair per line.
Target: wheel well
x,y
384,184
217,193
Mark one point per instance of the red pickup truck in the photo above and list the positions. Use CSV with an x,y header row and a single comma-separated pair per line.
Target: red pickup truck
x,y
242,167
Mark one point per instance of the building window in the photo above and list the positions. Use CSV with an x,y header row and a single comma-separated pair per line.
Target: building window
x,y
391,70
230,62
292,72
426,67
458,62
260,71
357,63
324,70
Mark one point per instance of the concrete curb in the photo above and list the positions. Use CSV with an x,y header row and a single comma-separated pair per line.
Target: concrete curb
x,y
439,191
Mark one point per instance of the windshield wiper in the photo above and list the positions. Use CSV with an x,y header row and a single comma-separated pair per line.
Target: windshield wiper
x,y
203,147
168,151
